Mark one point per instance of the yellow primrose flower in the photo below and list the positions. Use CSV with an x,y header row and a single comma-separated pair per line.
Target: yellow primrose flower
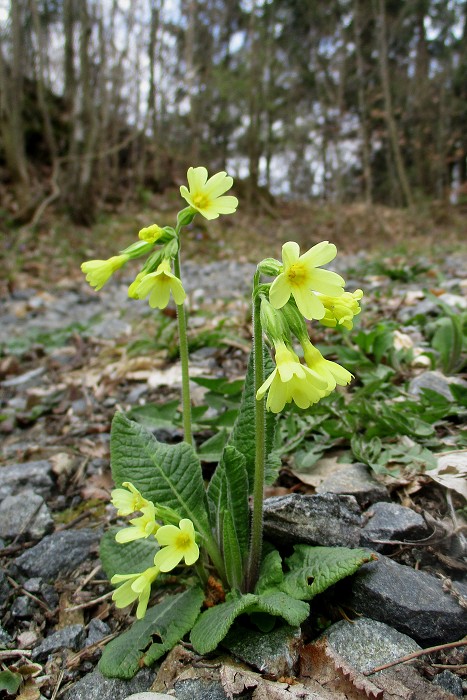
x,y
205,195
330,371
128,499
98,272
340,311
177,543
291,381
151,234
302,277
132,289
135,586
141,527
159,284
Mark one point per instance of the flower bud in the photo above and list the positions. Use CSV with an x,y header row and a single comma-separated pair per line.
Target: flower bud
x,y
272,322
137,249
186,216
295,320
151,234
270,267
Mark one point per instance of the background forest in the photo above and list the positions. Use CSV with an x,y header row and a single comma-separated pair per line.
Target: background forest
x,y
107,101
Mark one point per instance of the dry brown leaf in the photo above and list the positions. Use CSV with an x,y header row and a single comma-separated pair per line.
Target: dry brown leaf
x,y
322,664
451,471
98,486
321,469
65,615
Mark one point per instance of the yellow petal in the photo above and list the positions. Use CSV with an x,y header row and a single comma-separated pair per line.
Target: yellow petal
x,y
279,292
290,253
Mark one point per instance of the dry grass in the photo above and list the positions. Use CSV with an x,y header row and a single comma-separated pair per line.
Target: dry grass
x,y
56,247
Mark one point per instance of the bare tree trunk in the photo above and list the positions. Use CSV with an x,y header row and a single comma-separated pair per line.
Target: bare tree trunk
x,y
191,80
40,71
11,103
388,109
255,86
362,108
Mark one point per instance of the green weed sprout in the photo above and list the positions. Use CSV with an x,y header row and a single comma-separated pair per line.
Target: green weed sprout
x,y
175,521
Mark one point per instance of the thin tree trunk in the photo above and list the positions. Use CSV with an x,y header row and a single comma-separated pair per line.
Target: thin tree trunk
x,y
40,72
362,108
11,103
388,109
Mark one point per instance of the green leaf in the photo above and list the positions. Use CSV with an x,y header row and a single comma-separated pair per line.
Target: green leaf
x,y
232,555
168,622
282,605
126,558
271,574
211,449
166,474
154,416
10,681
228,491
213,624
243,435
313,569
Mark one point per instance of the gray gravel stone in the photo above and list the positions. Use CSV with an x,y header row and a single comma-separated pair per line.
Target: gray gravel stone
x,y
436,381
411,601
5,589
22,607
326,519
71,637
5,638
150,696
366,643
275,653
95,686
390,521
97,630
36,476
355,480
191,688
450,682
25,514
110,329
57,553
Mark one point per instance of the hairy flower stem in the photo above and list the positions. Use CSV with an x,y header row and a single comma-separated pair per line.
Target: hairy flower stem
x,y
254,557
183,342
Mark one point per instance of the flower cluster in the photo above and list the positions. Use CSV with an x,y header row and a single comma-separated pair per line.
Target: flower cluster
x,y
176,542
158,279
302,291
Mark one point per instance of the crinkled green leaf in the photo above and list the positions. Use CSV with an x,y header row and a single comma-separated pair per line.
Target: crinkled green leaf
x,y
228,491
282,605
313,569
232,554
243,436
126,558
271,574
166,474
213,624
168,622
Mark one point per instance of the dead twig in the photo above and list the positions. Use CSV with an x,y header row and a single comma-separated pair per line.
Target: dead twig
x,y
89,603
11,653
416,654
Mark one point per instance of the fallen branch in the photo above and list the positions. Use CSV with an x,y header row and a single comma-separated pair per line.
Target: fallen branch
x,y
416,654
